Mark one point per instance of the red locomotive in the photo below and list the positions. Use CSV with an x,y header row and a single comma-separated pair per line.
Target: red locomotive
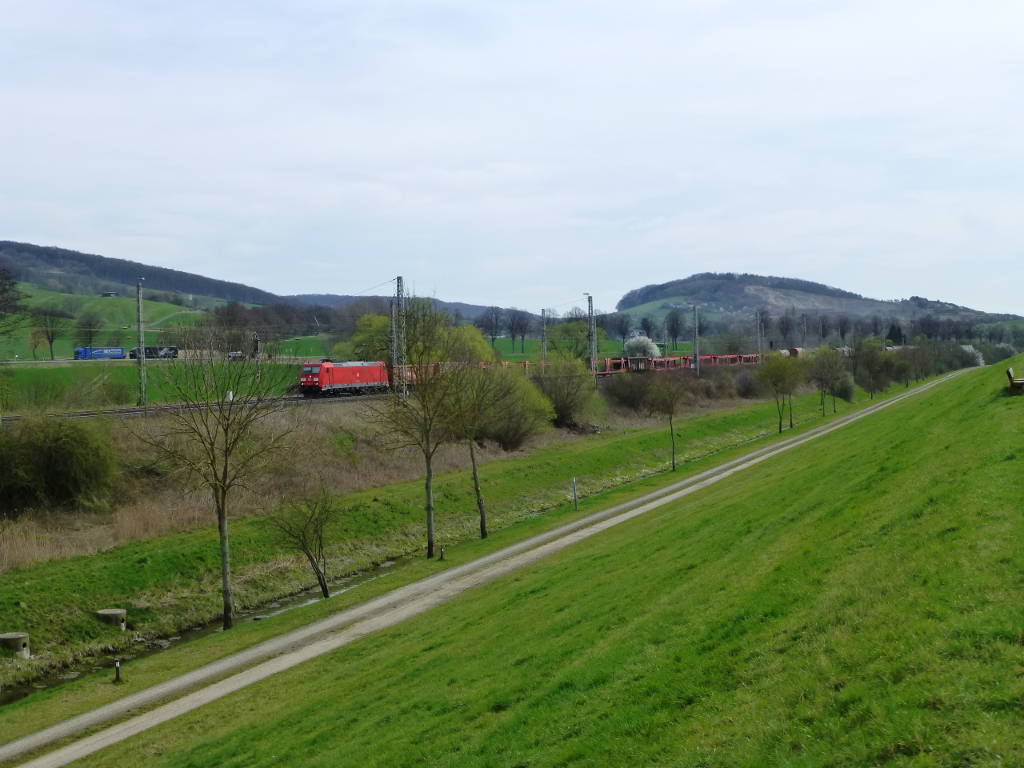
x,y
350,378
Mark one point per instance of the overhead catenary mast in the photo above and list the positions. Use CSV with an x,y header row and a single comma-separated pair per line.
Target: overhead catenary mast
x,y
141,352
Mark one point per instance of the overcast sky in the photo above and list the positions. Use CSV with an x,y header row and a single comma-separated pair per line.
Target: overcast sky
x,y
521,153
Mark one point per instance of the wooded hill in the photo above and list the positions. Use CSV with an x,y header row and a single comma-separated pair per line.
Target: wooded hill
x,y
66,271
728,293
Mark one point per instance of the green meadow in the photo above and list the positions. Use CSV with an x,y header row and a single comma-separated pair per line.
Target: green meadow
x,y
855,601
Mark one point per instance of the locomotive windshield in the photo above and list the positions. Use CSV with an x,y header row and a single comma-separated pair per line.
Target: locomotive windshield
x,y
311,369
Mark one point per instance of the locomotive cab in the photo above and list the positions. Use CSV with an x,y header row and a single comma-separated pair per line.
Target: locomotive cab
x,y
313,376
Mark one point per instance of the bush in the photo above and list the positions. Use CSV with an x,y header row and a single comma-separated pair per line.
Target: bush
x,y
55,462
522,415
569,386
844,389
747,385
629,390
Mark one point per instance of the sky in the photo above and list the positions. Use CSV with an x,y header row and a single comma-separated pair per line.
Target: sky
x,y
523,153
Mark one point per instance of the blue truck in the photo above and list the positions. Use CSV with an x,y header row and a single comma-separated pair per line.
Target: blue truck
x,y
99,353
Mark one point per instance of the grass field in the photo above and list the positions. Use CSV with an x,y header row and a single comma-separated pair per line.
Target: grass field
x,y
170,582
60,594
117,322
853,602
82,385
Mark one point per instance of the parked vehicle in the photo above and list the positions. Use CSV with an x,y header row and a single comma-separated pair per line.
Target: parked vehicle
x,y
155,353
99,353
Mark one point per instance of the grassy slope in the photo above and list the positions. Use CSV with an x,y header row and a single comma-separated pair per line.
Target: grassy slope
x,y
853,602
83,385
117,322
170,583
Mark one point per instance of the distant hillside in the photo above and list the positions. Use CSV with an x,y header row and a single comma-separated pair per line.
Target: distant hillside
x,y
66,271
468,311
733,294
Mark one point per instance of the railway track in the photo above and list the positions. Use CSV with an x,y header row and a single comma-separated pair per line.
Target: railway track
x,y
155,410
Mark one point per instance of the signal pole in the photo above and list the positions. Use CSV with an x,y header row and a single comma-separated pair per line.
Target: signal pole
x,y
398,338
543,338
141,356
696,341
591,334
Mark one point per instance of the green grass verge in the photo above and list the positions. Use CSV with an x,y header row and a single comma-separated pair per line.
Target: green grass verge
x,y
84,385
855,601
604,464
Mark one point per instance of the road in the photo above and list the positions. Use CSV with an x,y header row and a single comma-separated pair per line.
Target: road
x,y
286,651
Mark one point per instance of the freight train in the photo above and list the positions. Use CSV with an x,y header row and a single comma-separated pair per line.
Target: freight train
x,y
328,378
99,353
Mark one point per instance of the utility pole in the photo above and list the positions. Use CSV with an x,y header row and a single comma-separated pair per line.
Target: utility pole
x,y
398,338
543,339
696,341
141,356
591,334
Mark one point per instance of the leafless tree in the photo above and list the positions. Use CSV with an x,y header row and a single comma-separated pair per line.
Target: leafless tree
x,y
87,328
420,419
670,390
52,324
674,326
221,435
491,323
303,527
519,322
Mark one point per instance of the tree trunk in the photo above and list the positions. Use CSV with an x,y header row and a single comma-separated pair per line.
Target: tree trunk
x,y
479,495
225,559
428,486
321,577
51,349
790,410
672,432
780,406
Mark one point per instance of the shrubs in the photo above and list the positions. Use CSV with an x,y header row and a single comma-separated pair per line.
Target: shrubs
x,y
630,390
570,388
524,413
55,462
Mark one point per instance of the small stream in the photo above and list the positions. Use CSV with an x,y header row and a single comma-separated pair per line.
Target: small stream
x,y
149,647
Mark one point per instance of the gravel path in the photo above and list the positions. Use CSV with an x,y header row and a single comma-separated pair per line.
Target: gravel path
x,y
286,651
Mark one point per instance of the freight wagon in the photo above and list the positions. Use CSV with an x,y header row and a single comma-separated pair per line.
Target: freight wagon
x,y
155,353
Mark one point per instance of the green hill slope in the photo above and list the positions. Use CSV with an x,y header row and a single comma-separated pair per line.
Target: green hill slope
x,y
116,325
855,601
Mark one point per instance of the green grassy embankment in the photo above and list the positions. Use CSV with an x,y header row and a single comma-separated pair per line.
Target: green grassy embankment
x,y
171,583
84,385
855,601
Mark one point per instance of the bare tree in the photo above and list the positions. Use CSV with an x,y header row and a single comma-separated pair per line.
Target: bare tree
x,y
647,326
622,324
826,370
303,527
491,323
420,419
519,322
674,326
668,394
52,324
782,375
87,328
480,394
212,437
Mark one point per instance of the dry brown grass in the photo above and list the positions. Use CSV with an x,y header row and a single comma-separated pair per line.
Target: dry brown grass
x,y
330,446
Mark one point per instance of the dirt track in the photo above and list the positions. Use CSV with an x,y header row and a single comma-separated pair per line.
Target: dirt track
x,y
288,650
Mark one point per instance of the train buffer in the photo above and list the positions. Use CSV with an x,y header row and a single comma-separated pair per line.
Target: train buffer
x,y
1015,384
